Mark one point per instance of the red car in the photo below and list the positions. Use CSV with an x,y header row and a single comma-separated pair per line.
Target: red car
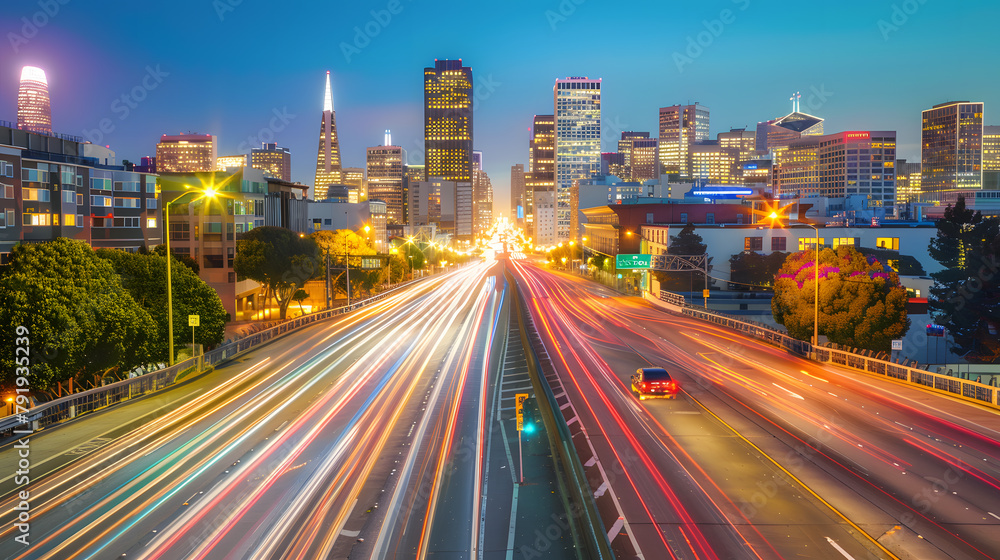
x,y
654,383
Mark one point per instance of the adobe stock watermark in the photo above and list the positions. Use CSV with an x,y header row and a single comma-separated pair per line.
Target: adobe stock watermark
x,y
900,15
123,105
223,7
266,135
704,39
363,34
31,25
562,12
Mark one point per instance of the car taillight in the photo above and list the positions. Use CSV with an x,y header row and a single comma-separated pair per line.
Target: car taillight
x,y
672,385
645,385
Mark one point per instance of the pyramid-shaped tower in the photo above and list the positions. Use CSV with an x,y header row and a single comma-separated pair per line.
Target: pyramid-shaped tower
x,y
328,167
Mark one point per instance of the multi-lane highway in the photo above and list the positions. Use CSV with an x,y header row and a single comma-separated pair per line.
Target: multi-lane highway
x,y
764,455
360,437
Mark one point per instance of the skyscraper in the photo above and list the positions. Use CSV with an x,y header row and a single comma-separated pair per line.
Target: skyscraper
x,y
541,176
517,194
34,113
186,153
328,166
448,121
951,148
577,103
482,202
223,163
272,160
639,156
385,178
680,127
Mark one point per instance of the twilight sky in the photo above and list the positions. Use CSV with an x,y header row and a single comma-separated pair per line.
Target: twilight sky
x,y
252,70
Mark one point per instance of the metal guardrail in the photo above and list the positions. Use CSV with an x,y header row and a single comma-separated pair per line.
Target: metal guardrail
x,y
69,407
587,521
978,392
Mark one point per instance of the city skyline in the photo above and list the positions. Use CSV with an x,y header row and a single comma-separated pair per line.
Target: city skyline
x,y
142,89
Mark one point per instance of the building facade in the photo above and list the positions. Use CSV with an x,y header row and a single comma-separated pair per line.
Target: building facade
x,y
186,153
577,103
541,176
328,165
517,195
448,121
385,167
680,127
223,163
273,160
50,187
482,194
34,110
951,148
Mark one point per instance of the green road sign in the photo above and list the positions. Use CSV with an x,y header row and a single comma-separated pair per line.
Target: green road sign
x,y
634,261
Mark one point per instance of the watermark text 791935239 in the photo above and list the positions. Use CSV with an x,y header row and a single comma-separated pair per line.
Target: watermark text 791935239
x,y
22,476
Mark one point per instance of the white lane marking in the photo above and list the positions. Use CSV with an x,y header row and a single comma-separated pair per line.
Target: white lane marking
x,y
593,460
601,489
685,412
512,389
792,393
564,407
834,544
350,534
571,420
905,426
993,514
616,527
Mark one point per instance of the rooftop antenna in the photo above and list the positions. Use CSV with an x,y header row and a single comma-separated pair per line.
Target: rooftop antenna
x,y
796,101
388,138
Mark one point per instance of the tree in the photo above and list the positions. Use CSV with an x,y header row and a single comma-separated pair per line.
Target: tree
x,y
344,245
299,296
687,242
753,271
279,259
413,254
182,258
861,302
964,296
145,278
73,304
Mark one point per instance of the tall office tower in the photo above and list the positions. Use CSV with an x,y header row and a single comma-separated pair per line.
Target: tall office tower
x,y
541,174
776,134
742,140
34,113
517,195
272,160
328,169
823,166
991,158
640,156
952,148
186,153
357,186
613,163
482,203
712,163
477,160
223,163
448,121
680,127
386,178
907,181
577,103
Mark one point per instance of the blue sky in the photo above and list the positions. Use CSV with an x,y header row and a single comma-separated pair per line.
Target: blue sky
x,y
253,69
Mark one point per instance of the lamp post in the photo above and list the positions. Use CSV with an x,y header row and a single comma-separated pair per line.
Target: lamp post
x,y
208,193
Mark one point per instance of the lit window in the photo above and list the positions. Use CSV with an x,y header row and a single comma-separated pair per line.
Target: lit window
x,y
891,243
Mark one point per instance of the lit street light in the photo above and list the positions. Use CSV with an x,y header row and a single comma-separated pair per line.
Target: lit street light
x,y
206,193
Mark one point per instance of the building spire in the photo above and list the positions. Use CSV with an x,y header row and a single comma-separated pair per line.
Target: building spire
x,y
388,138
328,98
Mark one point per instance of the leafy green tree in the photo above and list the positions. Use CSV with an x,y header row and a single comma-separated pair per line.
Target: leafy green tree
x,y
750,270
145,278
279,259
184,259
345,245
412,254
72,303
299,296
687,242
861,302
964,296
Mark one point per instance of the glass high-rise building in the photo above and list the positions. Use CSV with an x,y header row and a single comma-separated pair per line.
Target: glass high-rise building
x,y
680,127
386,173
951,148
186,153
273,160
448,121
577,102
34,112
328,166
541,175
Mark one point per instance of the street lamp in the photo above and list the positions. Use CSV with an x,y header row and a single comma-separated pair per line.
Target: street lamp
x,y
206,193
